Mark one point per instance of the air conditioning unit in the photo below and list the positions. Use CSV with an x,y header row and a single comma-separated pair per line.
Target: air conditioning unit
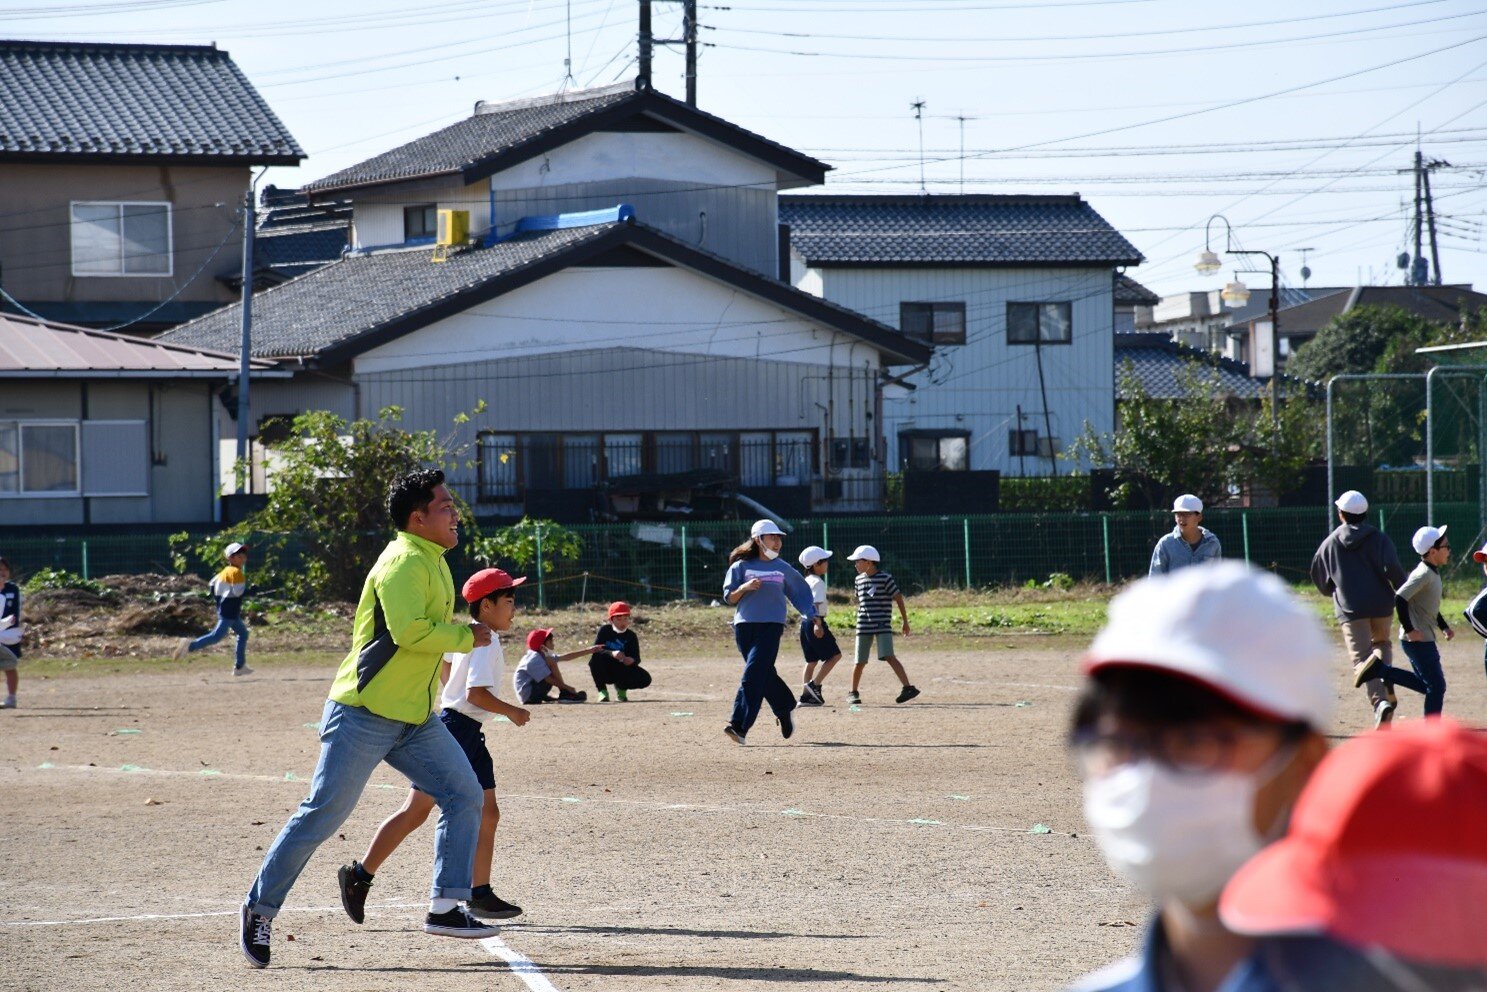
x,y
454,228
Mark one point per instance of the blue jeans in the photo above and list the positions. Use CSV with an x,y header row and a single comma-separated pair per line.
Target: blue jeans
x,y
1425,659
224,624
353,741
759,643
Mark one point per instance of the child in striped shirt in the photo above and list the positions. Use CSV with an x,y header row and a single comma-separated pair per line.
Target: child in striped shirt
x,y
876,594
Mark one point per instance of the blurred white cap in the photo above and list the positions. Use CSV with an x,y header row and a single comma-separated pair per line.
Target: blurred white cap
x,y
1187,503
1425,538
813,554
865,552
1352,501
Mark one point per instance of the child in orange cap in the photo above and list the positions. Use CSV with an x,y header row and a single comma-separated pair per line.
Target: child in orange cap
x,y
616,661
538,674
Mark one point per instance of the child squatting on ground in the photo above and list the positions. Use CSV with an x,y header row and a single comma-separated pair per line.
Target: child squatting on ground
x,y
877,594
469,701
823,649
617,663
537,675
228,587
11,632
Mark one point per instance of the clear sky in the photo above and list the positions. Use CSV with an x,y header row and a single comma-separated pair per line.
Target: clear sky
x,y
1292,119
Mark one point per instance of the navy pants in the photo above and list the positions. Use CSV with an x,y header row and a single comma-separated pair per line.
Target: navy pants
x,y
759,643
1425,659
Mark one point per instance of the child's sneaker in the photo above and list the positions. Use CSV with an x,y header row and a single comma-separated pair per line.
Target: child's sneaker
x,y
603,695
565,696
622,695
182,648
734,734
9,703
489,906
245,670
810,695
908,693
458,923
854,698
354,889
787,725
253,938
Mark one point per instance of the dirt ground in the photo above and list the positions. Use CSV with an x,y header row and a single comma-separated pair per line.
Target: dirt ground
x,y
934,845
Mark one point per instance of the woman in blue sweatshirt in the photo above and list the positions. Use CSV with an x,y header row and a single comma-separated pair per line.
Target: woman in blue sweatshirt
x,y
758,584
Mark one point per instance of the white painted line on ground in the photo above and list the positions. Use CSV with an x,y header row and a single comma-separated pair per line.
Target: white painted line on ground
x,y
521,965
142,917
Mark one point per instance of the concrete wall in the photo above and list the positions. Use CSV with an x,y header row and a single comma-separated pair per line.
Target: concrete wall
x,y
36,219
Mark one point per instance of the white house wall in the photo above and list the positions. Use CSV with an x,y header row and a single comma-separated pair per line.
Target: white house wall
x,y
637,154
978,386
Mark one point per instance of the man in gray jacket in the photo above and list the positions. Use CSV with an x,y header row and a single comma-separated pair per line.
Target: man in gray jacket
x,y
1358,567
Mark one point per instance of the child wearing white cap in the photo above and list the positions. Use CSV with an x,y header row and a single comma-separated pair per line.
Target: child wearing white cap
x,y
1417,603
227,587
1190,543
823,650
877,594
1476,610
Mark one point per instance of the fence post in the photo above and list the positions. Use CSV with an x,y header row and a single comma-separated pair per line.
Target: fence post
x,y
686,589
826,544
1244,528
85,559
1105,534
965,523
541,592
1383,525
584,595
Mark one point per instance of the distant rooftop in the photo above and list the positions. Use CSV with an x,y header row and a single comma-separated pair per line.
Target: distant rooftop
x,y
32,348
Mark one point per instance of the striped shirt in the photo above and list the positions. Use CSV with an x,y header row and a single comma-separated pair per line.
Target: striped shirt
x,y
875,602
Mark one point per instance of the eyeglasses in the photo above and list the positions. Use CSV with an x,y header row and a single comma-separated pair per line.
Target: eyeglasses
x,y
1190,749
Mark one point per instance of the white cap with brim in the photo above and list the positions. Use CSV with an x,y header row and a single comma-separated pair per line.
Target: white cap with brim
x,y
813,556
1352,501
763,527
1187,503
1236,630
233,549
1424,539
865,552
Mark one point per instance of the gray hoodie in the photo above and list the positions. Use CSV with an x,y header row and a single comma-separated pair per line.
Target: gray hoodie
x,y
1359,568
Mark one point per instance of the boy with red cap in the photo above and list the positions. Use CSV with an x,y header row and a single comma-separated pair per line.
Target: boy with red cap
x,y
1381,879
616,660
469,701
537,675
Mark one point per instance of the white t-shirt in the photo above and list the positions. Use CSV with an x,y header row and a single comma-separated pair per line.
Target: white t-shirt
x,y
818,593
485,666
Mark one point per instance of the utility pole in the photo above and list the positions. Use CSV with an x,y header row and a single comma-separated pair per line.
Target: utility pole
x,y
1420,270
962,121
643,78
648,41
245,349
1435,253
918,106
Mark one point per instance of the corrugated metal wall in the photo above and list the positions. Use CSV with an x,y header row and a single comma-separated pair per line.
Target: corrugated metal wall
x,y
979,385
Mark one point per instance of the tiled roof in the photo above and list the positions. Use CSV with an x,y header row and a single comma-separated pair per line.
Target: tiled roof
x,y
34,348
295,237
499,136
71,100
1438,304
1129,292
1160,364
868,230
362,301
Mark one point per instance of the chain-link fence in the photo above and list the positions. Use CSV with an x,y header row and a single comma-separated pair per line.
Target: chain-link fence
x,y
662,562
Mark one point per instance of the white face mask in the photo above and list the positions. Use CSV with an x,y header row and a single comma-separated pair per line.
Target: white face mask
x,y
1177,835
768,554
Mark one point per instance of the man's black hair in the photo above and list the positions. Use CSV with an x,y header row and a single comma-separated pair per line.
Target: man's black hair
x,y
412,491
475,606
1353,518
1155,698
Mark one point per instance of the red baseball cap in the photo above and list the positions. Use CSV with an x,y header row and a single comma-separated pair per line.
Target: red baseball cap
x,y
1387,848
538,637
487,581
619,609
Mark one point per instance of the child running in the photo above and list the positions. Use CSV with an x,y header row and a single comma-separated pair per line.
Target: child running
x,y
228,587
1417,603
537,675
758,584
877,594
11,633
469,701
616,660
1476,610
822,649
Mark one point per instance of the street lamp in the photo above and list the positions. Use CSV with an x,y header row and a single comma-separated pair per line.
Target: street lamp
x,y
1237,294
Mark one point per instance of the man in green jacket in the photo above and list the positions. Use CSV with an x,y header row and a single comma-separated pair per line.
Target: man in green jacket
x,y
382,708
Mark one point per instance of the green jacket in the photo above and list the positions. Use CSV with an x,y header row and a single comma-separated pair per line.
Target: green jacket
x,y
402,631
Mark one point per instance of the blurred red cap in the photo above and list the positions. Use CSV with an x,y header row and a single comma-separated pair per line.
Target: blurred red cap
x,y
619,609
487,581
538,637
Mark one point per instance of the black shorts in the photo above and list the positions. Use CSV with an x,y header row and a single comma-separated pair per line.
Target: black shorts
x,y
815,648
470,735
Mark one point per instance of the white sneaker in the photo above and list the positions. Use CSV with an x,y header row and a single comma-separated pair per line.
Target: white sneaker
x,y
245,670
9,703
1383,714
182,648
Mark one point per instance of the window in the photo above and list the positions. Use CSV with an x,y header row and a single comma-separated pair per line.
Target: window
x,y
421,221
38,458
674,453
946,451
497,463
756,459
792,458
1040,323
933,323
121,239
580,461
1022,442
541,461
624,454
715,451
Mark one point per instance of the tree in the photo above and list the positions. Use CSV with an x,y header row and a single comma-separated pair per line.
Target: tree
x,y
1365,339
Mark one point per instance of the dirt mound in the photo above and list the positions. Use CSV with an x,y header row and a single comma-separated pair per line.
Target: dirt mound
x,y
152,585
174,617
61,605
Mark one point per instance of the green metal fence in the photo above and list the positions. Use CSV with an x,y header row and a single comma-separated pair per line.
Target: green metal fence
x,y
652,562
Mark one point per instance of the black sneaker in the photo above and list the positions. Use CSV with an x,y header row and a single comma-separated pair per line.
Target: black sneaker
x,y
734,734
908,693
458,923
353,892
787,725
491,907
810,695
854,698
1368,668
254,937
564,696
